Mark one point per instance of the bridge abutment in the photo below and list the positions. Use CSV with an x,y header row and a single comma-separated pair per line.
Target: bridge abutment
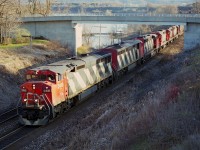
x,y
192,36
64,32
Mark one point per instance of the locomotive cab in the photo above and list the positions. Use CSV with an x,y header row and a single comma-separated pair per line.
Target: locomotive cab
x,y
41,76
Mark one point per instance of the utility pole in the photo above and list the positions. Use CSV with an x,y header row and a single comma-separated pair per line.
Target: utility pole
x,y
100,36
196,7
1,27
147,9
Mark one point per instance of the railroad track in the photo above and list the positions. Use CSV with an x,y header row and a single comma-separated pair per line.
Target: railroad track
x,y
8,122
14,136
9,115
10,129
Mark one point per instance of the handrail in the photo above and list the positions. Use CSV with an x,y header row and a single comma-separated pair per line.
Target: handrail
x,y
124,14
41,97
44,95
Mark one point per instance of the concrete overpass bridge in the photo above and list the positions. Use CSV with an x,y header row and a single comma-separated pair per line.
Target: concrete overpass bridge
x,y
68,30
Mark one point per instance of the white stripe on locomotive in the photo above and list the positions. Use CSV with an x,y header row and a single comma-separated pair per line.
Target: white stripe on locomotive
x,y
131,54
96,72
83,78
109,67
72,86
88,74
135,53
127,56
102,68
80,80
119,61
123,59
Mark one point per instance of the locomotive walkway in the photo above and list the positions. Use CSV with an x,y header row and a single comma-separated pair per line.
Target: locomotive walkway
x,y
68,29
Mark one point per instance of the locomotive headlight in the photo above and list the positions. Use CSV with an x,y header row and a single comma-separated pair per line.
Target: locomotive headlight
x,y
36,100
25,100
23,90
47,90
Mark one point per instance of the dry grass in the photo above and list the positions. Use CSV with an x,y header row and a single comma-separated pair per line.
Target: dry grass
x,y
176,121
84,49
175,49
176,117
190,143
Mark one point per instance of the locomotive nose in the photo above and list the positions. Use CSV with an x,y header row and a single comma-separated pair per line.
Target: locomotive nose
x,y
35,97
39,88
33,93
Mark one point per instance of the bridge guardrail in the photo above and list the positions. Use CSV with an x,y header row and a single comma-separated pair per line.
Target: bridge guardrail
x,y
126,14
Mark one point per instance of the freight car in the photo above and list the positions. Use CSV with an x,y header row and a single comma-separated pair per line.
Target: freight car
x,y
50,90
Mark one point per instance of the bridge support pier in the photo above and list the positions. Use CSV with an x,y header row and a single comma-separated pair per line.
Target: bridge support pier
x,y
65,32
192,36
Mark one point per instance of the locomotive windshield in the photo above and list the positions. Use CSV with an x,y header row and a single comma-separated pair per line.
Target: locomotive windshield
x,y
41,77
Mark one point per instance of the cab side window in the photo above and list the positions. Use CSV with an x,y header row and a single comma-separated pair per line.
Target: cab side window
x,y
59,77
51,77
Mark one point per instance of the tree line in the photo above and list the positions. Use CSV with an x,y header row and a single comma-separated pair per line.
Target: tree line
x,y
11,12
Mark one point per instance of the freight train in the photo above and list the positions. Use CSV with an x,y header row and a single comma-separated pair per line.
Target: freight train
x,y
51,89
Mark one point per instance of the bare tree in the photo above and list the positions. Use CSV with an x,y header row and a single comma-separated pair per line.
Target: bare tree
x,y
196,7
167,9
130,29
87,35
83,8
40,7
45,8
112,34
139,29
9,18
61,8
32,6
117,34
